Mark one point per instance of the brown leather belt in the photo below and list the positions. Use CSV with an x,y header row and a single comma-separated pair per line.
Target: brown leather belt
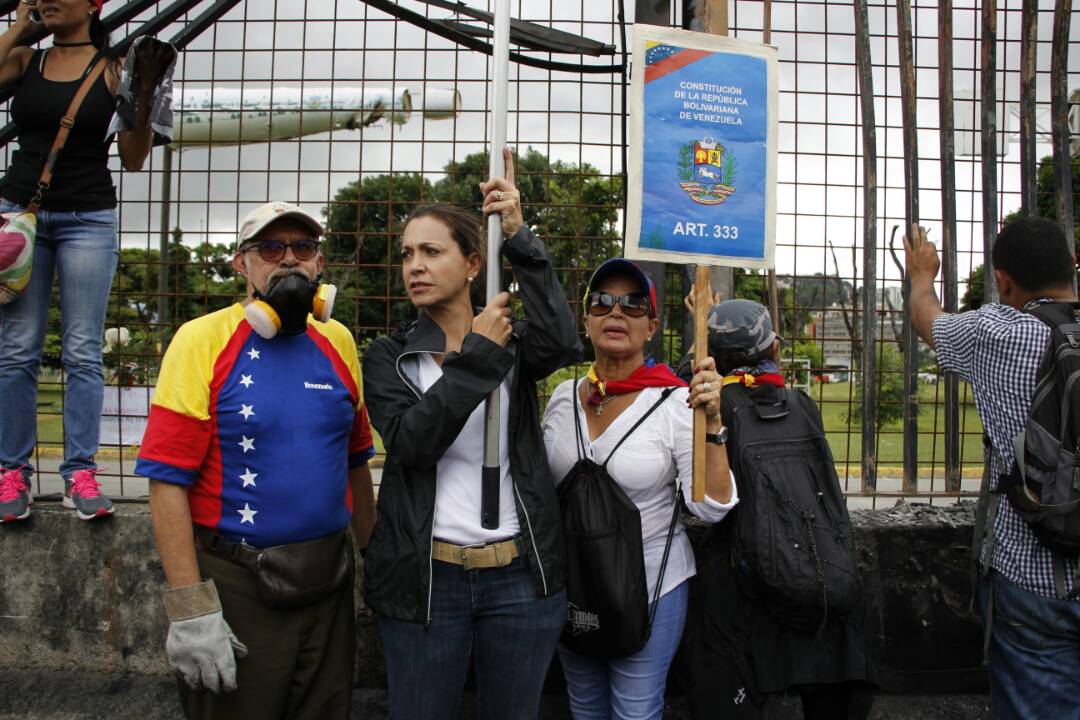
x,y
210,541
476,557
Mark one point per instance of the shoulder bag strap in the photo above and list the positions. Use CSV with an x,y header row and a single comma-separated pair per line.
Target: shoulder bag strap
x,y
643,418
66,123
667,551
575,406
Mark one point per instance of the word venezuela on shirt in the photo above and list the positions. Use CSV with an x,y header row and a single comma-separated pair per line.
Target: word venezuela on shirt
x,y
263,432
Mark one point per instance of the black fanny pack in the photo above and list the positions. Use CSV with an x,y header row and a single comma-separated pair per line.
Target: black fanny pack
x,y
288,576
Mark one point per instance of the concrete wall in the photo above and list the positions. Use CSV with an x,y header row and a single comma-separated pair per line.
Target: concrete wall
x,y
84,597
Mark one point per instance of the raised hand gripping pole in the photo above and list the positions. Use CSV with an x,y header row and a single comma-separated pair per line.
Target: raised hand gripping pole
x,y
491,472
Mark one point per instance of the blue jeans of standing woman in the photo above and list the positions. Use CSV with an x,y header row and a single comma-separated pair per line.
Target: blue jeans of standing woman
x,y
629,688
496,617
79,250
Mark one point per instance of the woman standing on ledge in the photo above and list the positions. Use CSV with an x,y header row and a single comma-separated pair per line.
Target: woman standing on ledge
x,y
76,238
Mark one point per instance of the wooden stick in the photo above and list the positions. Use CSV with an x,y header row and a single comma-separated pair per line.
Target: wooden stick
x,y
714,19
702,303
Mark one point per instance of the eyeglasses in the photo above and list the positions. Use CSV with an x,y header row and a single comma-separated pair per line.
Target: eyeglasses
x,y
274,250
633,305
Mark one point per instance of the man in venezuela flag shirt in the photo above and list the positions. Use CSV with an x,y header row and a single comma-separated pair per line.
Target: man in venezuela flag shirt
x,y
255,443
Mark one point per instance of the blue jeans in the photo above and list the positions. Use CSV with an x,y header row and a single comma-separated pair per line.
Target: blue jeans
x,y
496,616
1034,655
80,249
633,686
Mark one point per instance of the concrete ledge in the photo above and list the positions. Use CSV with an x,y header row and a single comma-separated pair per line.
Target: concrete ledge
x,y
90,696
81,598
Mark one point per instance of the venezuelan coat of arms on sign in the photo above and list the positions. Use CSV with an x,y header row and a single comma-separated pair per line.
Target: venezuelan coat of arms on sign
x,y
707,171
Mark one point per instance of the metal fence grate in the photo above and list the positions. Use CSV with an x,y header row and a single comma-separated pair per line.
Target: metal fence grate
x,y
567,129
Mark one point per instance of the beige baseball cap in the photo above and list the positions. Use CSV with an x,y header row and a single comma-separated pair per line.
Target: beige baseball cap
x,y
263,215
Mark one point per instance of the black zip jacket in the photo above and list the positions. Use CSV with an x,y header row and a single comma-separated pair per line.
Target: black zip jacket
x,y
417,428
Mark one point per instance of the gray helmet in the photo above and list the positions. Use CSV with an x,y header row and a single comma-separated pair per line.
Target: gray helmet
x,y
740,332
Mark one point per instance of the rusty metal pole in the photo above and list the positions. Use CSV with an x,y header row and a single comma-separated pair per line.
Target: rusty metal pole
x,y
774,300
1059,109
163,319
1029,36
911,216
988,142
869,301
948,232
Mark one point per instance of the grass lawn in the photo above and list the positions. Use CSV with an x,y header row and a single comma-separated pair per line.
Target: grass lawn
x,y
50,421
837,400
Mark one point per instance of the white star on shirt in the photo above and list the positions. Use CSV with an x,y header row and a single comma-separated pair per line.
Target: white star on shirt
x,y
246,381
247,443
247,410
248,477
253,354
247,515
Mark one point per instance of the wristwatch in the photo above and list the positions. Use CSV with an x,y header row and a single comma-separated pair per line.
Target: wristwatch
x,y
718,438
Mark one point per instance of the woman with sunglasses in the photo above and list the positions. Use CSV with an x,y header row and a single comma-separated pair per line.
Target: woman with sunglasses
x,y
619,389
446,583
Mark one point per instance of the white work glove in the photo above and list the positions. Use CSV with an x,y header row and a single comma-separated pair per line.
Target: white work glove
x,y
201,647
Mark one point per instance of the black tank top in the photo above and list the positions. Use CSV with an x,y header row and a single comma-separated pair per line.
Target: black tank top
x,y
81,179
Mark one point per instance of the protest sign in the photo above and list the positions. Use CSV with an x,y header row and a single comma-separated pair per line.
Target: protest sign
x,y
702,149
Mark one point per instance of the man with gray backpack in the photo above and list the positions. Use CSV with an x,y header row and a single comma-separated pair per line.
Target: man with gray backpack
x,y
1022,358
782,602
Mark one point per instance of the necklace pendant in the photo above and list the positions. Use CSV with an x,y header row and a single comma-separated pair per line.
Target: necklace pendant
x,y
599,409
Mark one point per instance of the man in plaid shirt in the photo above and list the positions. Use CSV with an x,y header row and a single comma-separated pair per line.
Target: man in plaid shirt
x,y
1034,626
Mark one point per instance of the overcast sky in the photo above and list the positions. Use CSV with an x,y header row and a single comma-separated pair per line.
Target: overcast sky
x,y
574,117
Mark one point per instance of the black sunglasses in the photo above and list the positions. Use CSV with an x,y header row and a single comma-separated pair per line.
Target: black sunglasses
x,y
274,250
633,305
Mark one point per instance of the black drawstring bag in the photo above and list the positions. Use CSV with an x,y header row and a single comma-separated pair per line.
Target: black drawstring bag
x,y
607,598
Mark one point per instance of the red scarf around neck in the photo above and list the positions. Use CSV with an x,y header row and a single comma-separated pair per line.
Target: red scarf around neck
x,y
655,375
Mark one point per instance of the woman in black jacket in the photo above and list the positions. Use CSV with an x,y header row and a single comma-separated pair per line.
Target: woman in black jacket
x,y
444,584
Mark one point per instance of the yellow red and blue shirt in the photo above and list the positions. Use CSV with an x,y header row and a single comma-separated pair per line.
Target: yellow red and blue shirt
x,y
263,432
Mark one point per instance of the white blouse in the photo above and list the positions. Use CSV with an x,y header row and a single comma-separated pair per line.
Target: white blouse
x,y
658,454
457,484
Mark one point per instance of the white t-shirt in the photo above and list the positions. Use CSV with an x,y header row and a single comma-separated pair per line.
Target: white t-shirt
x,y
646,466
457,483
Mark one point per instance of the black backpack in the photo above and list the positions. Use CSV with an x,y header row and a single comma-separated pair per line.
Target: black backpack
x,y
793,544
1043,484
607,598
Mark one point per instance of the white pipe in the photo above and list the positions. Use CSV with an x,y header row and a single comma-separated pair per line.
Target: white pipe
x,y
500,63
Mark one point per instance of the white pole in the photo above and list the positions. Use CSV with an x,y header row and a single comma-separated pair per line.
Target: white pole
x,y
491,473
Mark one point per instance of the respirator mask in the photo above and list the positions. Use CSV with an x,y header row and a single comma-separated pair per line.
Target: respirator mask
x,y
284,308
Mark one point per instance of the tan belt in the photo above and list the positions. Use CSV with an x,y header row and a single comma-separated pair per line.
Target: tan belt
x,y
476,557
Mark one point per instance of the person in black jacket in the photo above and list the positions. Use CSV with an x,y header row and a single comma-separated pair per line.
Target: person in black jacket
x,y
445,585
747,646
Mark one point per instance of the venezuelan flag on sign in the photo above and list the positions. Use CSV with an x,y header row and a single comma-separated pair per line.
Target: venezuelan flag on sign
x,y
661,59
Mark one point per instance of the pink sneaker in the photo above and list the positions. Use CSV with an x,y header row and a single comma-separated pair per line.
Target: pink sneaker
x,y
81,494
15,497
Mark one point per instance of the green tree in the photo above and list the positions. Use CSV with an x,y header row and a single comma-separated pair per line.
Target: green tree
x,y
572,208
973,296
1046,195
363,223
890,390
